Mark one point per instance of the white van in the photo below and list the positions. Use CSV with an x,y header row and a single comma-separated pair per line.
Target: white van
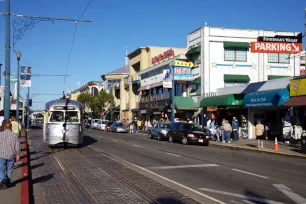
x,y
102,125
94,123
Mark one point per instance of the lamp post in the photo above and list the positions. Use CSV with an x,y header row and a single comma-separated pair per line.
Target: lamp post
x,y
18,55
0,73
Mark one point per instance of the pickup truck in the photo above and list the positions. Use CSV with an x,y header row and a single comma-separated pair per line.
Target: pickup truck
x,y
159,131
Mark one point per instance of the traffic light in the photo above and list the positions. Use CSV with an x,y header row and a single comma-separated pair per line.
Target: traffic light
x,y
30,102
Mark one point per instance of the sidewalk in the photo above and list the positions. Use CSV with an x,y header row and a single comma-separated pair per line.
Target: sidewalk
x,y
246,144
13,195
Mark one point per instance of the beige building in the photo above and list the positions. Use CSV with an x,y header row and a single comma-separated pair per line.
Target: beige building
x,y
141,59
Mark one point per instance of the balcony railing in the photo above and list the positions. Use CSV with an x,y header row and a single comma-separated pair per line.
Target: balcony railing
x,y
156,97
135,79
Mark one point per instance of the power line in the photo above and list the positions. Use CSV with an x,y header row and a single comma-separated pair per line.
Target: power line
x,y
74,32
50,8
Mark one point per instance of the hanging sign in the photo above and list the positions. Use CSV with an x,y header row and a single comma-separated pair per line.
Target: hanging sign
x,y
276,47
25,76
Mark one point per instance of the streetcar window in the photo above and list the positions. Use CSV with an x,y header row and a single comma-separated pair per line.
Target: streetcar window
x,y
72,117
57,116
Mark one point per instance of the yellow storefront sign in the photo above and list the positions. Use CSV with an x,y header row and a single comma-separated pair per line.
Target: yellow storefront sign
x,y
178,63
298,87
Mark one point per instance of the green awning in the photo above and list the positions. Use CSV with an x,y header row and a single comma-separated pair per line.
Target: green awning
x,y
196,81
236,78
193,50
184,103
236,45
271,77
224,100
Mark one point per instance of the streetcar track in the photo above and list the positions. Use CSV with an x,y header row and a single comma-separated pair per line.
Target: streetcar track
x,y
68,173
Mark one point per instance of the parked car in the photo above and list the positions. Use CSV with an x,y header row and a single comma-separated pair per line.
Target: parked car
x,y
187,133
94,123
159,131
118,127
108,125
87,123
102,125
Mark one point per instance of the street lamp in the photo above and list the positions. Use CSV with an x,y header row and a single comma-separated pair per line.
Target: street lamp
x,y
18,55
0,73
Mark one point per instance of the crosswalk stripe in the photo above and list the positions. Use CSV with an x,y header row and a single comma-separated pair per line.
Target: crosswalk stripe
x,y
292,195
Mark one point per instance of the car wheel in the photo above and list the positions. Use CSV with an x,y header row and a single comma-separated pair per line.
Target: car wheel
x,y
206,144
150,135
171,139
159,138
184,141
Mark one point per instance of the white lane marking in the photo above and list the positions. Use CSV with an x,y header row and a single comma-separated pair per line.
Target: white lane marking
x,y
174,182
288,192
115,140
232,201
136,145
245,172
184,166
248,202
59,163
245,197
176,155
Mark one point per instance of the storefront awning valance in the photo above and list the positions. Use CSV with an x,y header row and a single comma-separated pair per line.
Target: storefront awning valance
x,y
236,78
184,103
264,99
245,45
271,77
223,100
150,86
296,101
193,50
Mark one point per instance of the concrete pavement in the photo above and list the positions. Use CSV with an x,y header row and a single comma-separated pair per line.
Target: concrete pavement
x,y
229,176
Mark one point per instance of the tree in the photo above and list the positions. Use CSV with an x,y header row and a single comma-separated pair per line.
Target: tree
x,y
111,103
102,100
85,99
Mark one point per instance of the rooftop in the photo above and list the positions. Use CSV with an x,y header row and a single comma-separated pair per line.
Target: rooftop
x,y
121,70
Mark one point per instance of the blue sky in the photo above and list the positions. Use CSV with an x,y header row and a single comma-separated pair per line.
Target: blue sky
x,y
99,47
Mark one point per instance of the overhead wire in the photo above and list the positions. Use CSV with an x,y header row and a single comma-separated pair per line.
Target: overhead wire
x,y
72,43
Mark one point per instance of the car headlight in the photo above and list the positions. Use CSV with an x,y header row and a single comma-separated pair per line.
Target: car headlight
x,y
164,131
190,135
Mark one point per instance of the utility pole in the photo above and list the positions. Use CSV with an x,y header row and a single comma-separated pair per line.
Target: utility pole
x,y
18,55
7,72
28,109
18,35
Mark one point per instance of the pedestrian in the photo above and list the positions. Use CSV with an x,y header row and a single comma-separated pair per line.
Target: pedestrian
x,y
2,125
227,132
16,127
235,126
259,130
218,133
131,125
9,152
1,116
139,125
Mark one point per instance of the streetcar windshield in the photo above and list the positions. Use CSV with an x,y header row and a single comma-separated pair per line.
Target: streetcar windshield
x,y
72,117
57,117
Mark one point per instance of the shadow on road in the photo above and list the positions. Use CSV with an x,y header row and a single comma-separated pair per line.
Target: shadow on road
x,y
168,200
255,198
42,179
87,141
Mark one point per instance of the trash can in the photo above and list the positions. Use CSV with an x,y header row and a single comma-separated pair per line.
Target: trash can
x,y
303,144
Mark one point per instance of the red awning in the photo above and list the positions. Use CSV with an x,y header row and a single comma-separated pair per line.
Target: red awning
x,y
296,101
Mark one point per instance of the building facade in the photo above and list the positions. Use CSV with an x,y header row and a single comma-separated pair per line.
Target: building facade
x,y
225,58
141,59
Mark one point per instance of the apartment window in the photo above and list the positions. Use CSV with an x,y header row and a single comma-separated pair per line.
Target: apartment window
x,y
278,58
235,54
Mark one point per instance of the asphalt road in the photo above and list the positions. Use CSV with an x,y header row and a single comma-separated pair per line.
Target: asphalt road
x,y
231,176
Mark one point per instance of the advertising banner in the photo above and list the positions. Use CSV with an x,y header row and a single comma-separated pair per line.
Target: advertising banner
x,y
183,74
25,76
298,87
167,78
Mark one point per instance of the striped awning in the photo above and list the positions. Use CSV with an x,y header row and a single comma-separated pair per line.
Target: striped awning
x,y
151,86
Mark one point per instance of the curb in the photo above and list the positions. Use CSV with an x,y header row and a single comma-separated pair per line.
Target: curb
x,y
25,173
257,150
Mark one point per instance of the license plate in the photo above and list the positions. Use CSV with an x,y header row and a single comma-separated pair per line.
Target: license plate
x,y
200,140
207,137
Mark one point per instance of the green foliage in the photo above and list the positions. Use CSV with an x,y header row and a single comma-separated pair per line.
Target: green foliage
x,y
95,103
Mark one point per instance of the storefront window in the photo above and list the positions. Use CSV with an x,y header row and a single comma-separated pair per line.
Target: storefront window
x,y
178,89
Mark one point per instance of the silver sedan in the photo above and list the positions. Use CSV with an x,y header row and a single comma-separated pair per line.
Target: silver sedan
x,y
118,127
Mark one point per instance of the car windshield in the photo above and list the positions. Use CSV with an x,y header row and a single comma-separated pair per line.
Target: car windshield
x,y
164,125
109,123
119,124
104,122
192,127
